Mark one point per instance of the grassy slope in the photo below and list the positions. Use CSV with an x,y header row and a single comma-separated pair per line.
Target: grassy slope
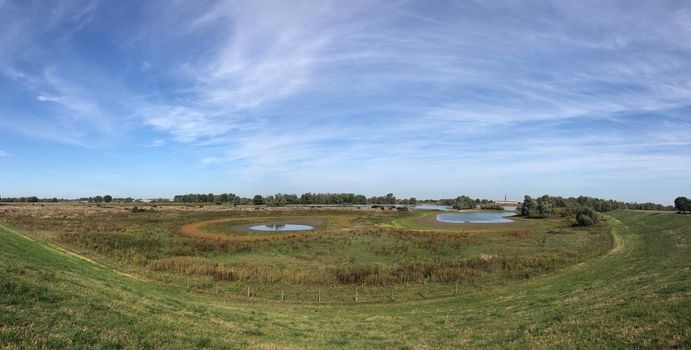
x,y
637,296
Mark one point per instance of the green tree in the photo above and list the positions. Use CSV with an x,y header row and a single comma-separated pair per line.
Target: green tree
x,y
258,200
107,198
359,199
306,198
390,199
529,206
682,204
277,200
544,206
464,202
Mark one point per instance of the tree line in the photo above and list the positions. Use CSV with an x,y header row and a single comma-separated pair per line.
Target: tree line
x,y
465,202
32,199
95,199
584,208
211,198
543,206
282,199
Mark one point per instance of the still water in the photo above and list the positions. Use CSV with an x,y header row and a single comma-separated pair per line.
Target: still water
x,y
282,227
431,207
491,217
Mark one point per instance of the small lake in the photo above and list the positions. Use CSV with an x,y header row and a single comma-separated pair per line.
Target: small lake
x,y
281,227
492,217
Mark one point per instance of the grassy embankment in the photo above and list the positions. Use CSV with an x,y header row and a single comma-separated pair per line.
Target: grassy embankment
x,y
638,295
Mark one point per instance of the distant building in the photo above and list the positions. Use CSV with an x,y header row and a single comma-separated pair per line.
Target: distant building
x,y
506,202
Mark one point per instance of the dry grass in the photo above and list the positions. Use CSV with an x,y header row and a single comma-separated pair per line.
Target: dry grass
x,y
350,248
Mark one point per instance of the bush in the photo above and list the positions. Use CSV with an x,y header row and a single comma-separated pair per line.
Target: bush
x,y
586,216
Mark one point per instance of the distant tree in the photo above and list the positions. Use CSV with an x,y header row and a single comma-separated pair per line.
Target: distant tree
x,y
587,216
359,199
544,206
682,204
98,199
279,200
464,202
390,199
107,198
540,208
233,199
491,206
306,198
529,206
258,200
291,199
412,201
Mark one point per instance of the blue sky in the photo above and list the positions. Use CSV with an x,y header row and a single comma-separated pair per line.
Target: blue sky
x,y
418,98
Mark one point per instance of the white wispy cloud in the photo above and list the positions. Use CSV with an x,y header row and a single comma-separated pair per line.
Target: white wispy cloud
x,y
434,139
156,143
322,91
4,154
269,52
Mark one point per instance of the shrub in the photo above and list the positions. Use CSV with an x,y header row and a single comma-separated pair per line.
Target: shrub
x,y
586,216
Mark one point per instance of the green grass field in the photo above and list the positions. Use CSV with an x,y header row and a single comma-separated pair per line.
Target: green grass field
x,y
636,294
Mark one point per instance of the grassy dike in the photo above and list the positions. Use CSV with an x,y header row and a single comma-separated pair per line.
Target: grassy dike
x,y
638,295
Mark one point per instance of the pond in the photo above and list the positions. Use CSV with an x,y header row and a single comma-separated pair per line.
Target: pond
x,y
492,217
281,227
